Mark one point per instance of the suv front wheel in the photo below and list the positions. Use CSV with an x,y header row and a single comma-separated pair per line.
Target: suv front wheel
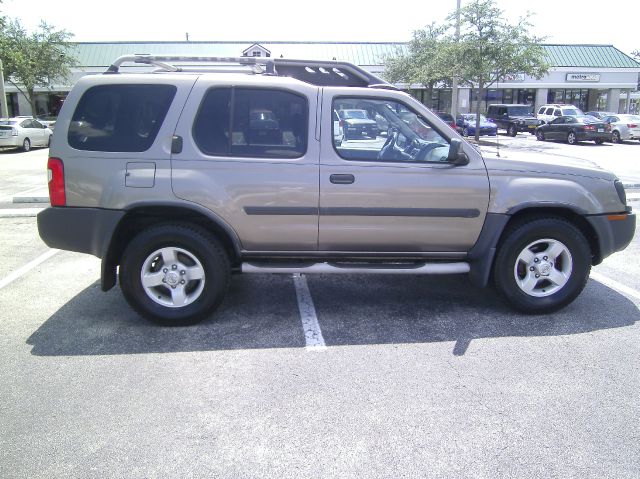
x,y
174,274
542,265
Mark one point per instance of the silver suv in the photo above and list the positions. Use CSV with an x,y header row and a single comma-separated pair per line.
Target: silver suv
x,y
209,167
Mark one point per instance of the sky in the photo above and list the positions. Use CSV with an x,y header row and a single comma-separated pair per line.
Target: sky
x,y
560,21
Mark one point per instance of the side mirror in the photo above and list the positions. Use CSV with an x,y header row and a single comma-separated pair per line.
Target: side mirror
x,y
456,156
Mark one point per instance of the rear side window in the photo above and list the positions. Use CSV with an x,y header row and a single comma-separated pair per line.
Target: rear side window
x,y
119,118
246,122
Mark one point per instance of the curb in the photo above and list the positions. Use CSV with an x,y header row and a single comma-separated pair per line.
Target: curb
x,y
20,213
30,199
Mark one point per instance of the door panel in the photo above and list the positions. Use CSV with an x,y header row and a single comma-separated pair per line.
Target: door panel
x,y
399,205
270,198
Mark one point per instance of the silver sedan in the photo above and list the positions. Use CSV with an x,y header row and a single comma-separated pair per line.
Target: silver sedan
x,y
624,127
23,133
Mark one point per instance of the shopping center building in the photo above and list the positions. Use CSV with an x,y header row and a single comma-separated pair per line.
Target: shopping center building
x,y
592,77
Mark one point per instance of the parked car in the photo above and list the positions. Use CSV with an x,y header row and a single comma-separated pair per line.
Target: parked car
x,y
547,113
338,132
47,120
623,127
356,124
573,129
448,119
513,118
467,124
144,173
600,115
23,133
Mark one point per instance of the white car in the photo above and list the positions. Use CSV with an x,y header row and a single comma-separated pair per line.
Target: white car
x,y
624,127
23,133
548,113
337,128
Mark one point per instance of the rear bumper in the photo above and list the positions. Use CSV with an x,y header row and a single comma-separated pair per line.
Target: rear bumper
x,y
614,232
10,141
84,230
589,135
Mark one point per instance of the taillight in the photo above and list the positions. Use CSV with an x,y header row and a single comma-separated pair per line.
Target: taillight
x,y
14,132
55,170
341,123
632,125
589,127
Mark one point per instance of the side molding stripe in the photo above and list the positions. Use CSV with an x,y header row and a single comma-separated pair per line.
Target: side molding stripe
x,y
348,211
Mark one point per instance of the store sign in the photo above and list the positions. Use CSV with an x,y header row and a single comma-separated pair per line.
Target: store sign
x,y
514,77
583,77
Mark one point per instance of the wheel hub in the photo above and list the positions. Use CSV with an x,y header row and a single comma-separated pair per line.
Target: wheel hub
x,y
544,268
172,278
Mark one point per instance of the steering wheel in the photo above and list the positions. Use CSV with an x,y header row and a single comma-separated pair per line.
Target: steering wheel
x,y
388,149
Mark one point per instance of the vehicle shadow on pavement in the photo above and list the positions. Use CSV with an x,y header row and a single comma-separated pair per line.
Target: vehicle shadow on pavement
x,y
261,311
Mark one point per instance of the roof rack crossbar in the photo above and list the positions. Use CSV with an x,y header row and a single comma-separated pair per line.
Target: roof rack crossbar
x,y
317,72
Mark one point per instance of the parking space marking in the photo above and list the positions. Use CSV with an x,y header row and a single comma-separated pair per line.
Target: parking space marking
x,y
312,332
27,267
613,284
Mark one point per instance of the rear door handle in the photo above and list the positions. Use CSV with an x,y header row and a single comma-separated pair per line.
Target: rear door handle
x,y
342,179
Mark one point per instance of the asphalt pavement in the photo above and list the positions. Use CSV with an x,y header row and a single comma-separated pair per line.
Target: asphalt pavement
x,y
415,376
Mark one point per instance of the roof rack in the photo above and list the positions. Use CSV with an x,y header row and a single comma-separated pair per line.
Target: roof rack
x,y
319,73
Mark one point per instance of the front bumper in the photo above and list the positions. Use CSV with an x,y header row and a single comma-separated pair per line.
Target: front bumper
x,y
613,231
84,230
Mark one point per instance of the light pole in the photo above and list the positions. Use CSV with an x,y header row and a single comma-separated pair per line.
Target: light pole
x,y
4,113
454,85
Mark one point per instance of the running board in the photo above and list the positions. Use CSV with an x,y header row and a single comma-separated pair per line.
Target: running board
x,y
328,268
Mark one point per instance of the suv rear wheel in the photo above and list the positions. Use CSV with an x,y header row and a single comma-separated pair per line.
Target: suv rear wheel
x,y
542,265
174,274
512,130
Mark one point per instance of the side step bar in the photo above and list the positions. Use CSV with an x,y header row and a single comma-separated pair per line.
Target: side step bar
x,y
329,268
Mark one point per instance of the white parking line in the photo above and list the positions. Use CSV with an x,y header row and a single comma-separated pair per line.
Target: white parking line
x,y
613,284
26,268
312,333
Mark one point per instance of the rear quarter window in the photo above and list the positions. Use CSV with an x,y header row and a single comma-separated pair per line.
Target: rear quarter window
x,y
119,118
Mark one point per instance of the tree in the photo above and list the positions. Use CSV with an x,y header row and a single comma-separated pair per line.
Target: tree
x,y
424,62
34,60
490,48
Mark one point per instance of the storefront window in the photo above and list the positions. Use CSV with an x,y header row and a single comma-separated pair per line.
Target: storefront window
x,y
576,97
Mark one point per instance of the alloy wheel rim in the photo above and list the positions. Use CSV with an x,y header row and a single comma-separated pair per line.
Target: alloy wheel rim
x,y
543,267
172,277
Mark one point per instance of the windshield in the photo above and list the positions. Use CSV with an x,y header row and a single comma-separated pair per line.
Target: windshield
x,y
356,114
520,111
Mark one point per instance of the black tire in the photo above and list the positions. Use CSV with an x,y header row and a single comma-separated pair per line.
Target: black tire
x,y
572,139
615,137
516,239
198,242
540,135
512,130
599,141
465,131
26,145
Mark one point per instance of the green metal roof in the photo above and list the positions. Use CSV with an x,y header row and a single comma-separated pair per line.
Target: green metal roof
x,y
589,56
102,54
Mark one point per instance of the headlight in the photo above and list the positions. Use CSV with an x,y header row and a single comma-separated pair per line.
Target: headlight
x,y
621,193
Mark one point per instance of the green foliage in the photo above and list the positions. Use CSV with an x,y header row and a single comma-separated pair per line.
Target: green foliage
x,y
424,62
34,60
489,48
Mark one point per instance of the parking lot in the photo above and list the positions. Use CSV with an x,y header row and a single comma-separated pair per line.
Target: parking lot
x,y
316,376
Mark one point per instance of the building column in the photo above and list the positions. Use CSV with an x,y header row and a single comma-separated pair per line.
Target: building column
x,y
541,98
463,100
628,105
592,100
613,100
24,107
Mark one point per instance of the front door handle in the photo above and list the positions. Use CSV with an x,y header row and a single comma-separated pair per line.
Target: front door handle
x,y
342,179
